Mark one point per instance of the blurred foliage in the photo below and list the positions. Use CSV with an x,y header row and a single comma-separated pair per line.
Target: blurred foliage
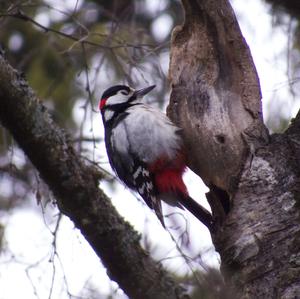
x,y
70,39
292,7
286,14
70,51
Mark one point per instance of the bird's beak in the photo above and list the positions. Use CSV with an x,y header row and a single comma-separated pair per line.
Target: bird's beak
x,y
141,92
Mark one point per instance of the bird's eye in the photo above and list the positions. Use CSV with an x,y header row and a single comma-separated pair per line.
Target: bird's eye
x,y
125,93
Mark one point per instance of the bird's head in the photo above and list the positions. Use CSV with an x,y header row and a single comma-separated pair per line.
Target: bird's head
x,y
119,96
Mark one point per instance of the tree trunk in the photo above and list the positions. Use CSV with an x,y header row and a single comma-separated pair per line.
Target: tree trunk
x,y
253,178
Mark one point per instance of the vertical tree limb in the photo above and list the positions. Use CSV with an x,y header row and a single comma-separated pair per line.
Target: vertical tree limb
x,y
215,94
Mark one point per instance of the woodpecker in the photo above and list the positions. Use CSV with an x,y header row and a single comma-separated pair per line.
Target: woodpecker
x,y
146,151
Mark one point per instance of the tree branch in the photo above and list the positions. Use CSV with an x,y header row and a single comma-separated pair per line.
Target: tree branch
x,y
84,40
75,187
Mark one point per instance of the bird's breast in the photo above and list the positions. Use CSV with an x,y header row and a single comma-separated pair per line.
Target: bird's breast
x,y
150,134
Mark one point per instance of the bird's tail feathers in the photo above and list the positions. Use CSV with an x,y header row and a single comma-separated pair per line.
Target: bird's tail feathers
x,y
156,206
197,210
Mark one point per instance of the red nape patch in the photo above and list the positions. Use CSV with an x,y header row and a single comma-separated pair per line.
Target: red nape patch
x,y
102,103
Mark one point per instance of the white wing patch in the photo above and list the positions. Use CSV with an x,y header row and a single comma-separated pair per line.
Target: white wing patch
x,y
144,185
108,114
137,173
119,139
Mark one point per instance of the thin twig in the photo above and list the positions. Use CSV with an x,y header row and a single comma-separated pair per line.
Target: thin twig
x,y
20,15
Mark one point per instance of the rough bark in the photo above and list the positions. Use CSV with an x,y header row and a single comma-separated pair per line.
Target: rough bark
x,y
215,91
260,240
75,187
215,99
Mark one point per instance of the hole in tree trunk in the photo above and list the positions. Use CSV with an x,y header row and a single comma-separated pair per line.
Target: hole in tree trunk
x,y
222,196
220,138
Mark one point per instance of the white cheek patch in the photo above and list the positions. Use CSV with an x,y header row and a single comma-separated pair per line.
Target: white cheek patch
x,y
120,139
108,114
118,98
